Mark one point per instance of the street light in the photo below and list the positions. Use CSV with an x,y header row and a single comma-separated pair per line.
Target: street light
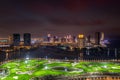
x,y
27,58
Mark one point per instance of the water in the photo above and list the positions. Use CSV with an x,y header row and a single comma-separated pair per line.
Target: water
x,y
75,60
27,57
108,53
87,52
65,58
115,52
46,57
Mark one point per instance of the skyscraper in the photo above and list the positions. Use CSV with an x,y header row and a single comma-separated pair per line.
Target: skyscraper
x,y
16,39
81,40
102,36
97,38
27,39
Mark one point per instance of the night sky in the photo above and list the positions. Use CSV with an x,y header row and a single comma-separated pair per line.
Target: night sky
x,y
59,17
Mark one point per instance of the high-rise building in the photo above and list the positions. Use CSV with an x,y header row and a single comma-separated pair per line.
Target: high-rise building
x,y
16,39
81,41
97,38
48,37
27,39
102,36
10,38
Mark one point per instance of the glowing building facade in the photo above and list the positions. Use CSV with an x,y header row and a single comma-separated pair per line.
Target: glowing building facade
x,y
81,41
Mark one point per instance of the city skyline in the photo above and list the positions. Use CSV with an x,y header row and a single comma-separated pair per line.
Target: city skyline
x,y
59,39
60,17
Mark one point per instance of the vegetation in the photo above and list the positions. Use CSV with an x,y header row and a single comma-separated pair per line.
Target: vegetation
x,y
33,69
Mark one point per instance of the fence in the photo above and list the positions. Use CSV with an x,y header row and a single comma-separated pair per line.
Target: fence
x,y
97,77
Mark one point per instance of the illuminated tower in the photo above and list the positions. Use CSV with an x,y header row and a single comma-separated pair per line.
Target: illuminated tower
x,y
81,40
16,39
27,39
102,36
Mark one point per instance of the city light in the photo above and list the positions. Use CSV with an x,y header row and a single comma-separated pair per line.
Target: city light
x,y
60,40
80,36
27,58
26,61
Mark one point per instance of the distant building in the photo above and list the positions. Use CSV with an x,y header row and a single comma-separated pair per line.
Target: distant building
x,y
102,36
16,39
81,40
27,39
48,37
4,41
55,39
10,38
89,39
63,40
74,39
97,38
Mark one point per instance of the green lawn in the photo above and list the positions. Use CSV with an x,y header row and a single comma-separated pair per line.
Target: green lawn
x,y
27,69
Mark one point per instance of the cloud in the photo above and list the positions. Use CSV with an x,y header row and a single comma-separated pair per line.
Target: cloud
x,y
76,22
73,16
